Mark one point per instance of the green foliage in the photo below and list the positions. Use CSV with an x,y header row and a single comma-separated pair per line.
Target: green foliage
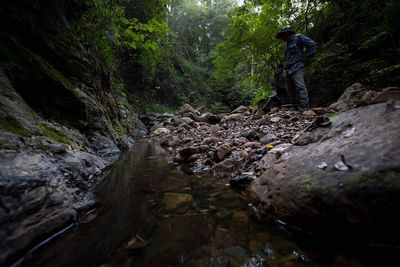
x,y
159,108
106,28
183,74
218,107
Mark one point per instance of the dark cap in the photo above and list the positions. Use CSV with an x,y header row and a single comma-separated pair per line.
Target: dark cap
x,y
285,30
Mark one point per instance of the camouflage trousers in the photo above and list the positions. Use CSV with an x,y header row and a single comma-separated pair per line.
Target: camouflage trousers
x,y
296,89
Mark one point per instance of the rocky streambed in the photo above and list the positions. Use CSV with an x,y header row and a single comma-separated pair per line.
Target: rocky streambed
x,y
328,173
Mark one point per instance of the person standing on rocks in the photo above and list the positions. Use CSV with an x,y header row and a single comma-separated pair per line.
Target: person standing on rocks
x,y
295,60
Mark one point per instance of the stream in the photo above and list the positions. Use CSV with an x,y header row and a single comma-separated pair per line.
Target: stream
x,y
150,213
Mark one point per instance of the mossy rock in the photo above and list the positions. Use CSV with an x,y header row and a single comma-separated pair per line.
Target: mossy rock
x,y
54,134
12,125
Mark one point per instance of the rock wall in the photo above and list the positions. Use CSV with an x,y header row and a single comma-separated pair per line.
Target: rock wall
x,y
62,122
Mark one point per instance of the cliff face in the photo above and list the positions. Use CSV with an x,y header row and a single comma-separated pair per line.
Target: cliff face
x,y
63,121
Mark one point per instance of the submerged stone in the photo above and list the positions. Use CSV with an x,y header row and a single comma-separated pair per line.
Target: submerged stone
x,y
174,201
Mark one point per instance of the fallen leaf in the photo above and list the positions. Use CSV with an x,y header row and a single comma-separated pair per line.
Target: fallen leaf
x,y
349,132
323,165
342,165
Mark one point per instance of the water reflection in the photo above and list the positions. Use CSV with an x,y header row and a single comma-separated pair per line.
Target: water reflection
x,y
152,214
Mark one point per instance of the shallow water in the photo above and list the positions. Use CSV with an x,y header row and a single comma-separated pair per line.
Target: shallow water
x,y
152,214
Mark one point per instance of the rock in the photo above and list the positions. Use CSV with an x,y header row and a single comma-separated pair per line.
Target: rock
x,y
215,129
211,140
241,109
137,243
239,227
238,253
226,167
104,147
222,152
174,235
305,139
280,149
186,152
250,134
253,134
269,138
161,131
339,106
194,157
360,202
182,121
233,117
187,120
186,108
241,181
320,111
174,201
259,114
367,97
391,93
211,118
31,228
275,119
252,145
350,98
178,158
156,126
309,113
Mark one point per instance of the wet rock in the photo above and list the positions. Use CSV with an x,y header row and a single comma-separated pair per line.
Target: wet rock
x,y
241,109
104,147
137,243
82,163
226,167
175,201
239,227
241,181
186,152
33,228
267,139
222,152
256,261
174,235
238,253
298,193
233,117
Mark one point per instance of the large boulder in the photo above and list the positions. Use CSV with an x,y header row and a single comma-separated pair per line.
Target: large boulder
x,y
347,181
